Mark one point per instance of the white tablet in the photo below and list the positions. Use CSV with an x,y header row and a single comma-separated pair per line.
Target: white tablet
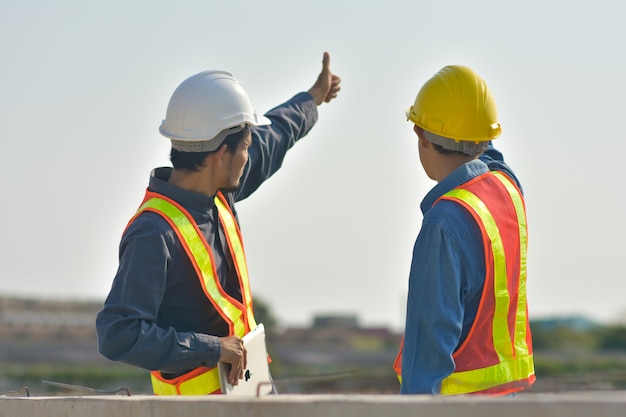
x,y
256,380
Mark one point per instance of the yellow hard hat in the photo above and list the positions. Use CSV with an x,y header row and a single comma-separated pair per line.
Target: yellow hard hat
x,y
457,104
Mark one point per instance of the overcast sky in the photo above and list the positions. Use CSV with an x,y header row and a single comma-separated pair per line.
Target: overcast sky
x,y
85,85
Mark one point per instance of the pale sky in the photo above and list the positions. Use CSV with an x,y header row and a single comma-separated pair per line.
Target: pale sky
x,y
85,85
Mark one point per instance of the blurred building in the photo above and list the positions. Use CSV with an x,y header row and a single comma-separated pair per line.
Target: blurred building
x,y
334,354
42,331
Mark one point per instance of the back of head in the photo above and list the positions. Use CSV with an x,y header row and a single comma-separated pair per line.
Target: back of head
x,y
205,109
456,110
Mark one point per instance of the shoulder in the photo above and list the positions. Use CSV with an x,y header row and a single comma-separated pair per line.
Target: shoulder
x,y
148,227
454,221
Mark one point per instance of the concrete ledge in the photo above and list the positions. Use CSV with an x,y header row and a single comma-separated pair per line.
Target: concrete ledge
x,y
576,404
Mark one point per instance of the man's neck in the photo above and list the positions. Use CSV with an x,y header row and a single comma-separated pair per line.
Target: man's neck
x,y
193,181
447,164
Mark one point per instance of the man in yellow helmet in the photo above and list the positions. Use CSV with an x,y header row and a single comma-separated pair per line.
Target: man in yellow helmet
x,y
180,301
467,325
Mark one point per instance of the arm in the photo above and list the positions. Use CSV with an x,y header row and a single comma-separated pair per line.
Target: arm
x,y
291,121
434,313
127,325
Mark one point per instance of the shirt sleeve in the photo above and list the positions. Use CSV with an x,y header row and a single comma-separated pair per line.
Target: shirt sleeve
x,y
434,312
127,326
291,121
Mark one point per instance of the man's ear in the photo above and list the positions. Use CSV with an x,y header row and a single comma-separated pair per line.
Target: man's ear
x,y
221,152
423,142
215,158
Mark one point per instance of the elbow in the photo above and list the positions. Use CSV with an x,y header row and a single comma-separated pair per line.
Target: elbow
x,y
113,339
111,347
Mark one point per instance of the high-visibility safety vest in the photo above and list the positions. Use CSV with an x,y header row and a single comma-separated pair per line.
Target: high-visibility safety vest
x,y
238,315
496,357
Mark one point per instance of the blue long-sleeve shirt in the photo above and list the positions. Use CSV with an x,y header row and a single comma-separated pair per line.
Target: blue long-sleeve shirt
x,y
445,282
156,315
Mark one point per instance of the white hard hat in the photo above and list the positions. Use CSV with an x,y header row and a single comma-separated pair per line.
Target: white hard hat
x,y
204,109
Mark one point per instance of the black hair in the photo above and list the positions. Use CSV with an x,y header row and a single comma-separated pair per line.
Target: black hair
x,y
193,161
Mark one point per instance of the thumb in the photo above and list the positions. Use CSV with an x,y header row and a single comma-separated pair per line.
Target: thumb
x,y
326,63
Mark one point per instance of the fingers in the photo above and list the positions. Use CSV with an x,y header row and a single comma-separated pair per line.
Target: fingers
x,y
236,373
334,89
235,354
326,86
333,80
243,364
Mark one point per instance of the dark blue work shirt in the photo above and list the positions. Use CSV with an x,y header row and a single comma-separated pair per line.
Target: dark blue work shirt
x,y
156,315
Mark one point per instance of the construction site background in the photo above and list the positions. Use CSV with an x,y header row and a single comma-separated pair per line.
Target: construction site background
x,y
45,340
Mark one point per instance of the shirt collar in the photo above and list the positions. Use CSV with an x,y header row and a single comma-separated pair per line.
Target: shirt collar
x,y
188,199
459,176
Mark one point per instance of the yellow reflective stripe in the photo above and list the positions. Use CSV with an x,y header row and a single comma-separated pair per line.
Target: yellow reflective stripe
x,y
501,336
513,366
162,388
239,256
203,384
511,370
520,320
200,255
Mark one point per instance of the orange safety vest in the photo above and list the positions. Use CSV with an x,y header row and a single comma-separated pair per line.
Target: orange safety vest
x,y
238,315
496,357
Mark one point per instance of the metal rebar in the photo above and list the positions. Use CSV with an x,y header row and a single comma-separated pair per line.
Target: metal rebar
x,y
87,389
25,389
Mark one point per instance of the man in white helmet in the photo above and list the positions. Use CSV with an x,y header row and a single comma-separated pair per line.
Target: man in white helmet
x,y
180,301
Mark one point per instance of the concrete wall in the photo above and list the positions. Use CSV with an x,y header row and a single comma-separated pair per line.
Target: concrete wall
x,y
583,404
